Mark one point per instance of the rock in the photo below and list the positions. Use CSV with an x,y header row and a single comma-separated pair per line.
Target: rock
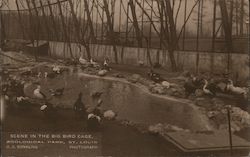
x,y
199,93
165,84
102,72
155,129
134,78
158,89
118,75
202,102
109,115
212,114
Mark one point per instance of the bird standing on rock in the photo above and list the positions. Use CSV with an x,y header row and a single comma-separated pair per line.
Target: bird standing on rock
x,y
236,90
38,94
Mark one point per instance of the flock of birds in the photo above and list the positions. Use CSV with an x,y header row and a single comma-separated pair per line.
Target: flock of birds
x,y
211,88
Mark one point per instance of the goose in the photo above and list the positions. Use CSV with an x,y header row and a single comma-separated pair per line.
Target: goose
x,y
79,106
38,94
82,60
57,92
236,90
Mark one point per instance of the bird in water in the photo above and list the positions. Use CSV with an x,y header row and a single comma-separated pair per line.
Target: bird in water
x,y
155,76
38,93
23,102
48,109
57,92
79,106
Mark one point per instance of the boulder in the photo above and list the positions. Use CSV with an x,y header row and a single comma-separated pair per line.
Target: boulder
x,y
199,93
158,89
102,72
134,78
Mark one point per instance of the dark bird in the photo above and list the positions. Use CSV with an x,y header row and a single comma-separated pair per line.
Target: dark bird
x,y
57,92
155,76
157,65
96,94
79,106
106,64
191,84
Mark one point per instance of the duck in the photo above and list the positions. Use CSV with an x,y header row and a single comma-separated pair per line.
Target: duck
x,y
96,94
56,69
23,101
191,85
157,65
155,76
141,63
82,60
93,121
79,106
57,92
47,109
236,90
94,64
106,65
49,75
38,94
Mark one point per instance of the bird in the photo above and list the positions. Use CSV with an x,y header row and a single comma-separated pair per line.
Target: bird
x,y
157,65
38,94
56,69
94,64
93,121
49,75
155,76
48,109
82,60
57,92
23,101
191,84
79,106
109,114
141,63
106,65
96,94
97,110
236,90
39,75
205,88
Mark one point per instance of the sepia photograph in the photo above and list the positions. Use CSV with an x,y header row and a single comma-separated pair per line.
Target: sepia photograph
x,y
124,78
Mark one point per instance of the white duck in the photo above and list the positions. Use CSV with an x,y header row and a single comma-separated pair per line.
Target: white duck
x,y
56,69
82,60
38,94
236,90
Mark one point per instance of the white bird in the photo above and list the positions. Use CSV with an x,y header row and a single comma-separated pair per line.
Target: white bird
x,y
109,114
91,115
56,69
43,107
82,60
38,94
236,90
205,90
39,75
